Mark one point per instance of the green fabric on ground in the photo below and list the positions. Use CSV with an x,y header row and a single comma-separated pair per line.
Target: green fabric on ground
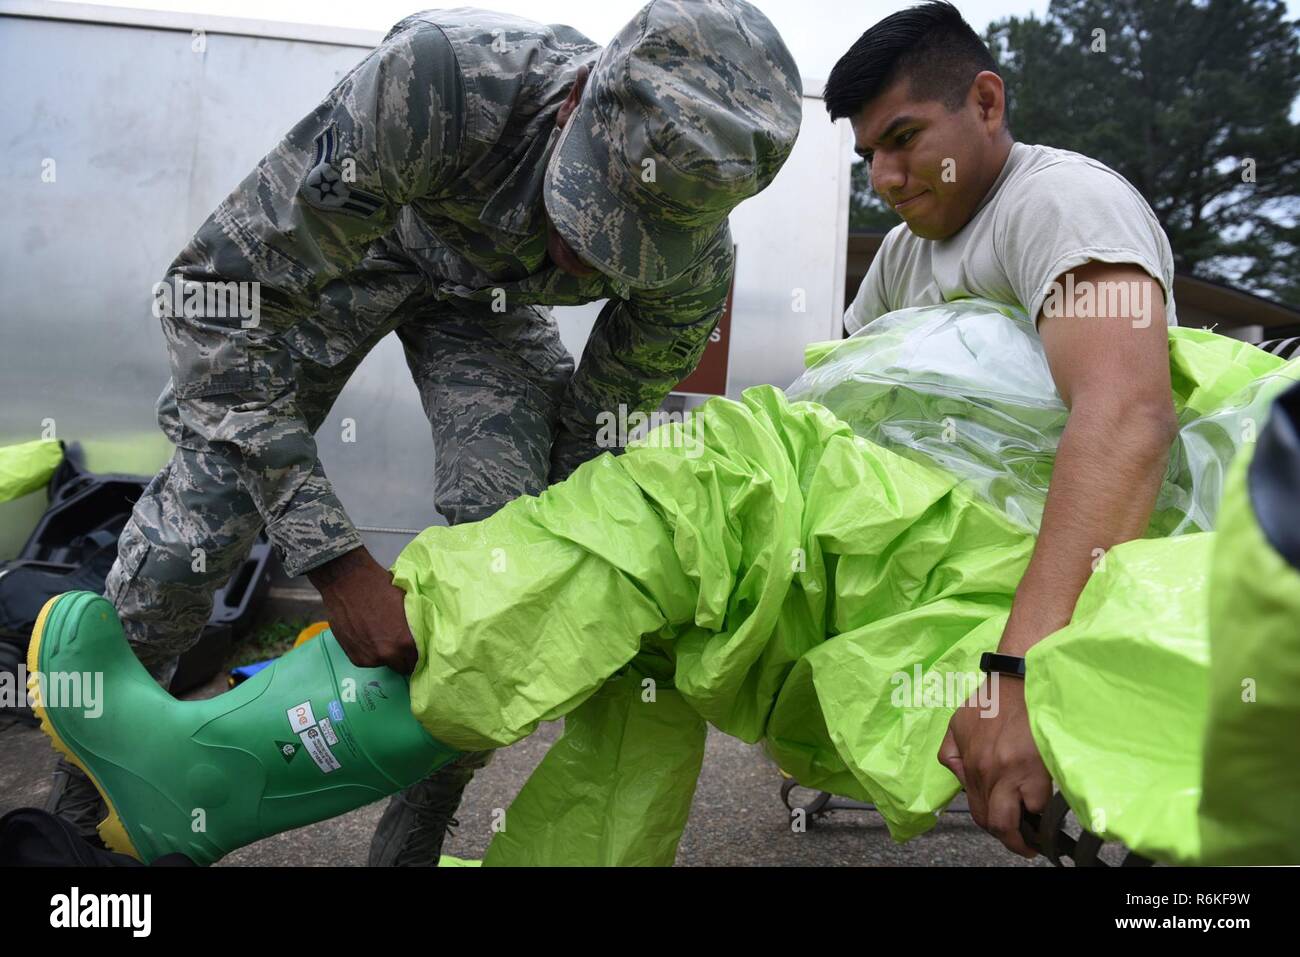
x,y
27,467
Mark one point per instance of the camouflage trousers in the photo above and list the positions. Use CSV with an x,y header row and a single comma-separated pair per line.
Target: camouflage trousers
x,y
491,384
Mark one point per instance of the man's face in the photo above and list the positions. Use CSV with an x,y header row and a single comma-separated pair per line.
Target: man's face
x,y
930,165
562,255
557,248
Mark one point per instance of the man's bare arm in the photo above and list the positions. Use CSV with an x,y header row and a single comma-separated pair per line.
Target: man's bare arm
x,y
1113,374
1112,371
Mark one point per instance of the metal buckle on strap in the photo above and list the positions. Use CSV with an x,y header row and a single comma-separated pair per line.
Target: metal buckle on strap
x,y
1046,833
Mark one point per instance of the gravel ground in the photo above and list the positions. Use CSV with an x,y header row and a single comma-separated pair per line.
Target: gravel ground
x,y
737,817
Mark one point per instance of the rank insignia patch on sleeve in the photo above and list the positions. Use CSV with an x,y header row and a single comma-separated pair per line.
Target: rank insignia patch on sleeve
x,y
325,187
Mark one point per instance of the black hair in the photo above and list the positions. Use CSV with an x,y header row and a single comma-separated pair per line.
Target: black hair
x,y
929,45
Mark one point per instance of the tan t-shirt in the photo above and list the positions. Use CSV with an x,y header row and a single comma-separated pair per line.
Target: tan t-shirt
x,y
1048,212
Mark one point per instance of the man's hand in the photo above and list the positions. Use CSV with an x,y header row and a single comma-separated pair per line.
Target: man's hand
x,y
997,762
366,612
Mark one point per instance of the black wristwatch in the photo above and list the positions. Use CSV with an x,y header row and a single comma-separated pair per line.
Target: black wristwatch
x,y
1009,665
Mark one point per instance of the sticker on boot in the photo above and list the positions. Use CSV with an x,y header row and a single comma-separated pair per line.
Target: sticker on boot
x,y
301,717
328,730
320,751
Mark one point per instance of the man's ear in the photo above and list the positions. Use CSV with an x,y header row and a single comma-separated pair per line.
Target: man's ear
x,y
575,95
989,96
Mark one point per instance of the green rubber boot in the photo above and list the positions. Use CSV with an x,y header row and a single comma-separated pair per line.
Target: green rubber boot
x,y
307,738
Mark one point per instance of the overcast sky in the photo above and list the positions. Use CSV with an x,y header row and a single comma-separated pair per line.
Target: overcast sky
x,y
817,31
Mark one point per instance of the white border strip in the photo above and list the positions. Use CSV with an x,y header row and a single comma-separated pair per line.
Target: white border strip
x,y
186,22
232,26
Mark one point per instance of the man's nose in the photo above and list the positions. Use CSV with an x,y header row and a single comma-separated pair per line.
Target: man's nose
x,y
887,175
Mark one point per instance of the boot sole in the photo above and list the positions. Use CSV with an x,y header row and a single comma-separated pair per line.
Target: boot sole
x,y
111,830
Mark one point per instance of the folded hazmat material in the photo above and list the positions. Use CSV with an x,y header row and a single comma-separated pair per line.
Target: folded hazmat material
x,y
27,466
825,586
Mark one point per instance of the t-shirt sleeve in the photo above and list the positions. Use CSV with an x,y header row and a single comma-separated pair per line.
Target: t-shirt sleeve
x,y
870,303
1069,214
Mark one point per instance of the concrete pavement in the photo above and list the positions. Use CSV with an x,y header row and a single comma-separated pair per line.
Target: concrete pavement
x,y
737,818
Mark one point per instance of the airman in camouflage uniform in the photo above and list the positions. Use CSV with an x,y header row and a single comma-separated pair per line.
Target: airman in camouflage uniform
x,y
417,199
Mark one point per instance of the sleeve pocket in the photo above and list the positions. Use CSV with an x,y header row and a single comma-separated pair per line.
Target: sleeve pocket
x,y
209,361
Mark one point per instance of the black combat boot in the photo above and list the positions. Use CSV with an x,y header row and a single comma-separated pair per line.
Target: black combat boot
x,y
75,799
418,819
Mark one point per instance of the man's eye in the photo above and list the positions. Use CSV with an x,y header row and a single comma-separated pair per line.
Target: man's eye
x,y
905,138
867,157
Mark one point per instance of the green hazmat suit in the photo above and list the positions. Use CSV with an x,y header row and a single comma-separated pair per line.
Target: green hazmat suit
x,y
966,387
771,569
1250,775
766,570
734,565
1166,710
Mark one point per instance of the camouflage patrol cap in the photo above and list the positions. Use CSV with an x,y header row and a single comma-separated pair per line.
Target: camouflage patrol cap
x,y
692,108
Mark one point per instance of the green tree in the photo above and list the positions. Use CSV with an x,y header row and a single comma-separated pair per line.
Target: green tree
x,y
1192,102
